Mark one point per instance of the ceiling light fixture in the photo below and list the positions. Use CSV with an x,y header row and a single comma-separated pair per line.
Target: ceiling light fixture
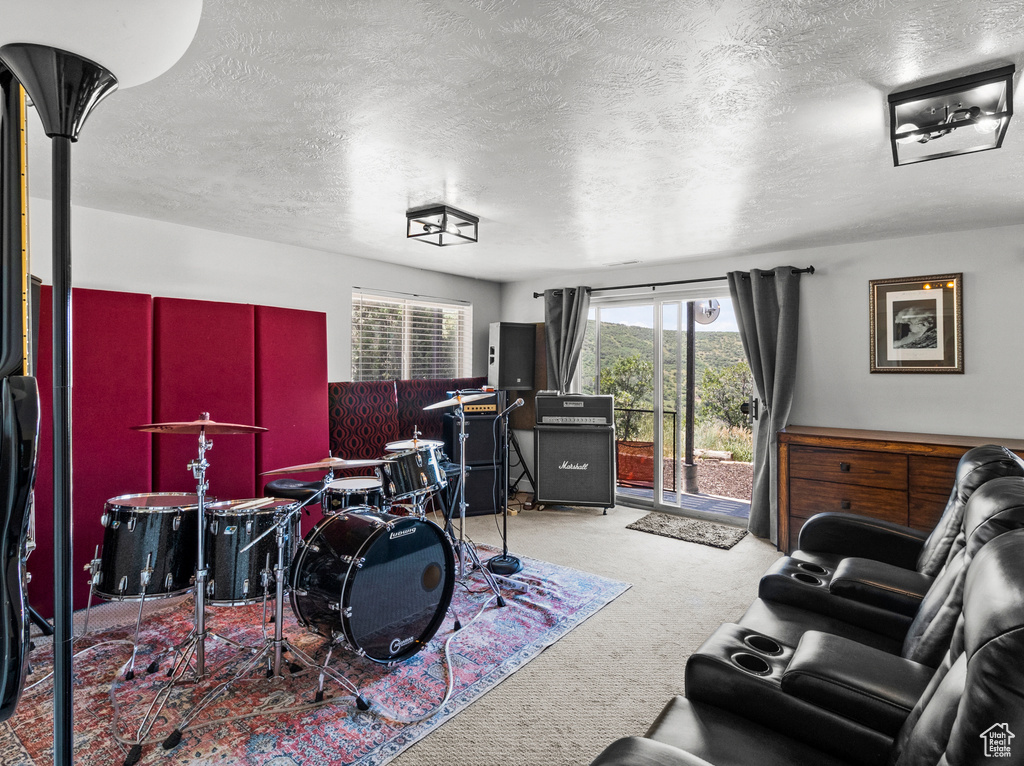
x,y
441,225
918,118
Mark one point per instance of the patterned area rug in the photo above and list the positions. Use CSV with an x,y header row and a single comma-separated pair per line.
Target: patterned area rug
x,y
690,530
238,729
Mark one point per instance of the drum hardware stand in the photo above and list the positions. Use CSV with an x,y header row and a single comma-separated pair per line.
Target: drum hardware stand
x,y
464,547
274,647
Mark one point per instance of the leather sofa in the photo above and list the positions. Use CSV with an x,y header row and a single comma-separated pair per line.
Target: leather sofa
x,y
791,685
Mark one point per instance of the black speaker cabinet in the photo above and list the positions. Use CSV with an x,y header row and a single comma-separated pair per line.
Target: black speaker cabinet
x,y
574,465
510,356
481,431
483,492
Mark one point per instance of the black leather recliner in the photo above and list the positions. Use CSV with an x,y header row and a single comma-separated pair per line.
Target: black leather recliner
x,y
873,573
969,708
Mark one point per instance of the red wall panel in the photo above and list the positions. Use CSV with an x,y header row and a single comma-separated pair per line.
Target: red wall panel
x,y
204,362
111,391
291,395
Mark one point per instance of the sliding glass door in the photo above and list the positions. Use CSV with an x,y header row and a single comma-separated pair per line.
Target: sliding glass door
x,y
676,369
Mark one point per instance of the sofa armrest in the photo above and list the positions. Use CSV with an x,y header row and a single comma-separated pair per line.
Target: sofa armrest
x,y
641,751
889,587
862,684
848,534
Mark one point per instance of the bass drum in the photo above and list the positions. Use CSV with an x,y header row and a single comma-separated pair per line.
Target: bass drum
x,y
381,582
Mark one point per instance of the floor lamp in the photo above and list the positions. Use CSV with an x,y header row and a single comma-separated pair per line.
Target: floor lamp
x,y
70,55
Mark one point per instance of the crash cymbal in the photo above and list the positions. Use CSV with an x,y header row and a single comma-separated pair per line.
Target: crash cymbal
x,y
327,464
203,425
456,400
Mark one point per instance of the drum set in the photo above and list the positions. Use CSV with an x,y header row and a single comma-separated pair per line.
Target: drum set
x,y
374,575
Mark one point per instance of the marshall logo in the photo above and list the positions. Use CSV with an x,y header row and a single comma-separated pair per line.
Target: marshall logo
x,y
402,533
567,466
571,403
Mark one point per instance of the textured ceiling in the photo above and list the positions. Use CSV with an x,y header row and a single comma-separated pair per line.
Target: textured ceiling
x,y
582,132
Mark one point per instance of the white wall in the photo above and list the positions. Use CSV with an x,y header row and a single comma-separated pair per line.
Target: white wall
x,y
119,252
834,387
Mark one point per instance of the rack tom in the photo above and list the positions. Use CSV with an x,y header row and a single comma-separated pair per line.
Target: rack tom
x,y
412,473
149,546
342,494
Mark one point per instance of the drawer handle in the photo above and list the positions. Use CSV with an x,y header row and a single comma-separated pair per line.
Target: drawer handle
x,y
844,504
845,467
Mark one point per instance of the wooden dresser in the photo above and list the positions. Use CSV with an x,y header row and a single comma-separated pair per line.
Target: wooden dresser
x,y
905,478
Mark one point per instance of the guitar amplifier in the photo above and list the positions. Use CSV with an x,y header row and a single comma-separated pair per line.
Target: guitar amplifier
x,y
574,410
575,465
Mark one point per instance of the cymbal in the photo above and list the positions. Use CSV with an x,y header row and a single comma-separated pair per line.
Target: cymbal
x,y
205,425
327,464
408,444
456,400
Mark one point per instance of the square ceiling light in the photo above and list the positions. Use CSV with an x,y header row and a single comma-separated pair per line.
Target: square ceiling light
x,y
968,114
441,225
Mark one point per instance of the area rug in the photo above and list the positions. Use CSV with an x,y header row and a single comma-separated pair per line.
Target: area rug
x,y
548,602
690,530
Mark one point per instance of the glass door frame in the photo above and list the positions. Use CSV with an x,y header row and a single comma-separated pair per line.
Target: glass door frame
x,y
657,301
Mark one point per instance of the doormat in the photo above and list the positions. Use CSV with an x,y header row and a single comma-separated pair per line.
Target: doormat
x,y
690,530
261,722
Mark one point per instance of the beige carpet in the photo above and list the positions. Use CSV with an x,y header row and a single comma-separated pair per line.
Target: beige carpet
x,y
609,677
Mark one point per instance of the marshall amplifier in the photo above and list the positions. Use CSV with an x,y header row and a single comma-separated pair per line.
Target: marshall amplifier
x,y
574,410
575,465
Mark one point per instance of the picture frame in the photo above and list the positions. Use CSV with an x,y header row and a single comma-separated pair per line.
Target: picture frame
x,y
917,324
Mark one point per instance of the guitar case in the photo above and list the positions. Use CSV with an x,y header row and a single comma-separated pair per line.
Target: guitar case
x,y
19,441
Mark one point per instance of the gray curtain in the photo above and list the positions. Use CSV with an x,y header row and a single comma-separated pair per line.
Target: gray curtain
x,y
565,322
767,305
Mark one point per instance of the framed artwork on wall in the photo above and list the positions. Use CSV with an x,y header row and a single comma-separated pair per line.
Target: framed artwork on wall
x,y
917,324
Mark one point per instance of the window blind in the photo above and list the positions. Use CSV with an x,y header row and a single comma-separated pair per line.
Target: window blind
x,y
409,338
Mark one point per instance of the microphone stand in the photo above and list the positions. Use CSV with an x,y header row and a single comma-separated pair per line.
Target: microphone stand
x,y
505,564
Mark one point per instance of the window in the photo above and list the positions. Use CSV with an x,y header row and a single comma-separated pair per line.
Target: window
x,y
409,338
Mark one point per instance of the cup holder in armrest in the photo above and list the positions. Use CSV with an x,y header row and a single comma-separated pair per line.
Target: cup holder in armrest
x,y
763,644
807,578
812,568
752,663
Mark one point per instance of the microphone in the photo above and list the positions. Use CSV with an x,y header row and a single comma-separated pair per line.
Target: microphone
x,y
514,406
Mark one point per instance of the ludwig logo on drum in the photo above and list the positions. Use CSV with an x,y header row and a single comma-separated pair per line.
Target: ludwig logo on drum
x,y
400,643
402,533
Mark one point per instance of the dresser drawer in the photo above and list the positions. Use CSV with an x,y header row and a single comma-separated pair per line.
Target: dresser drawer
x,y
925,511
810,497
868,469
932,475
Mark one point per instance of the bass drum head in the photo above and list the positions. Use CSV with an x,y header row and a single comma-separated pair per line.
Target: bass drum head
x,y
393,578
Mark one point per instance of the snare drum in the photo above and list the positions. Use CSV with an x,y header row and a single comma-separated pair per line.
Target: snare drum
x,y
411,473
237,577
342,494
380,582
149,546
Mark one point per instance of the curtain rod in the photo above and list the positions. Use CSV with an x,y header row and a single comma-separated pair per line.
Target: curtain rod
x,y
653,285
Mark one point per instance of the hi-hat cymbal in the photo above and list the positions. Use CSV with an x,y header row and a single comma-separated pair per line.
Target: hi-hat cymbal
x,y
456,400
408,444
203,425
327,464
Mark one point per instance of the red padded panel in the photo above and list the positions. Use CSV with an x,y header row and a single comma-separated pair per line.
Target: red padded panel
x,y
291,393
203,361
111,391
364,418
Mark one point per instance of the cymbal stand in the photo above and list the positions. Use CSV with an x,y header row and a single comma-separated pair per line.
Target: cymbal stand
x,y
274,648
464,547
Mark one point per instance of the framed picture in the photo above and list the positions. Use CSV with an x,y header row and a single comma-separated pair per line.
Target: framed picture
x,y
917,324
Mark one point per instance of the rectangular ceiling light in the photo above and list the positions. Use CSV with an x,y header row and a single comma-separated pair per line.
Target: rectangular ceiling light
x,y
441,225
968,114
